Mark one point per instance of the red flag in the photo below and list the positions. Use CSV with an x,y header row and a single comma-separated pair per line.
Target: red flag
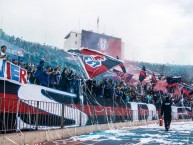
x,y
161,86
172,85
185,91
142,75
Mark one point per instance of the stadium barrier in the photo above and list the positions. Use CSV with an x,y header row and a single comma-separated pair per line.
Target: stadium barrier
x,y
15,115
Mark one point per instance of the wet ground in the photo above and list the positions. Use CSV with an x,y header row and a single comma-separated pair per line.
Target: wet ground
x,y
180,133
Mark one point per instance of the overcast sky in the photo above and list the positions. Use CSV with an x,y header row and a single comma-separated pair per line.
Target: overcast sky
x,y
158,31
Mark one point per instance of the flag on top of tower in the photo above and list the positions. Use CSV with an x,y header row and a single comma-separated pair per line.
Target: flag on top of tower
x,y
95,62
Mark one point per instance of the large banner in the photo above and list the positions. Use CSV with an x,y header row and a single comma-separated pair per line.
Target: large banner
x,y
103,43
12,72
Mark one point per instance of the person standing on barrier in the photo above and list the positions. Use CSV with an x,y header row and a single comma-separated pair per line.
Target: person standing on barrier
x,y
166,109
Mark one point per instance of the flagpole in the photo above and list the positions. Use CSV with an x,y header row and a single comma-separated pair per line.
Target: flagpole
x,y
141,88
98,24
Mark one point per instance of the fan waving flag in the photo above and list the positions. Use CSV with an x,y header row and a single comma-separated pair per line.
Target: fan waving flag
x,y
95,62
142,74
124,76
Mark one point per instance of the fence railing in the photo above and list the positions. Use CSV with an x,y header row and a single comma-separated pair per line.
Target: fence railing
x,y
16,114
182,115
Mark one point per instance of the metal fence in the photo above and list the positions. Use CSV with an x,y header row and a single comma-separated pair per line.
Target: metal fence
x,y
182,115
16,115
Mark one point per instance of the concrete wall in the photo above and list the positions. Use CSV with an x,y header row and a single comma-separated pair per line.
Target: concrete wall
x,y
74,41
34,137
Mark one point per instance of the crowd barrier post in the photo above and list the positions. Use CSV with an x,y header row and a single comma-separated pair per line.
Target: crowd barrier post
x,y
37,115
62,116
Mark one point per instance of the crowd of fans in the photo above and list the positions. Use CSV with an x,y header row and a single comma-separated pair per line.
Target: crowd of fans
x,y
67,80
122,92
51,72
56,78
185,71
